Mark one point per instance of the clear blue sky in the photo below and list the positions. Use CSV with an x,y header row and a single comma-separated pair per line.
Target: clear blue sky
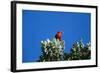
x,y
40,25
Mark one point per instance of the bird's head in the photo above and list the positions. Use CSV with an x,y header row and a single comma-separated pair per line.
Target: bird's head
x,y
59,34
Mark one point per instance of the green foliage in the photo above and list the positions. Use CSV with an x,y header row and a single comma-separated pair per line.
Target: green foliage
x,y
80,52
53,50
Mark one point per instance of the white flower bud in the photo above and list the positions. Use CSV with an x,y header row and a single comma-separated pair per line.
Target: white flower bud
x,y
45,42
41,41
48,41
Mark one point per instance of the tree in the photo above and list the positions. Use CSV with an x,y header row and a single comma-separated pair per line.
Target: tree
x,y
52,50
80,51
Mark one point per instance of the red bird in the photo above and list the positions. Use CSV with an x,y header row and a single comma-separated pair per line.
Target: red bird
x,y
59,36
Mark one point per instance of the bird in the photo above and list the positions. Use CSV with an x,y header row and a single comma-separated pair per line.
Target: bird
x,y
58,36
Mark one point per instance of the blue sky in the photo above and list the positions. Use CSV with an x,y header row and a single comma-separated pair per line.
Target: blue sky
x,y
40,25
